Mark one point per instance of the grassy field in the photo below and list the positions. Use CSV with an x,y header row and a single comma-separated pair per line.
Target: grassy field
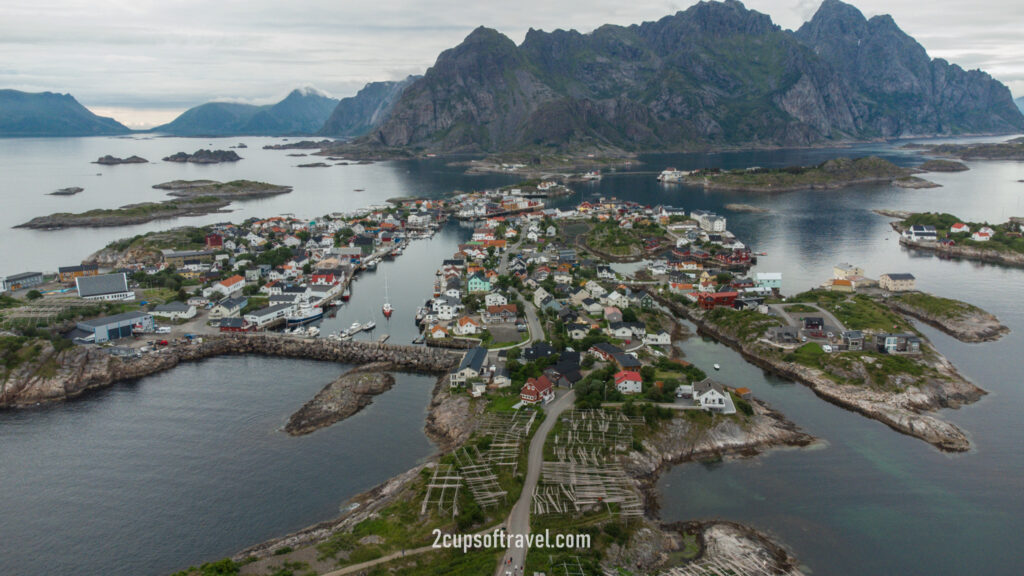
x,y
856,312
937,306
747,325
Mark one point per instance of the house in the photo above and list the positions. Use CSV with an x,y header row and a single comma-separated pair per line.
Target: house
x,y
605,272
104,287
99,330
629,382
465,326
234,325
711,395
981,236
495,299
267,315
853,340
661,338
577,331
175,311
178,259
502,313
840,285
471,367
437,332
898,343
595,289
539,295
845,271
478,283
783,334
612,314
919,233
768,280
620,330
626,361
604,351
228,308
69,273
537,390
709,300
229,287
22,281
959,228
539,350
896,282
814,323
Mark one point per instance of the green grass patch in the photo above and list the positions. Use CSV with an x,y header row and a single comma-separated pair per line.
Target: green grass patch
x,y
937,306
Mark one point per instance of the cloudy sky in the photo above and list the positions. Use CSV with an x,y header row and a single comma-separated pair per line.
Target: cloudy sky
x,y
144,61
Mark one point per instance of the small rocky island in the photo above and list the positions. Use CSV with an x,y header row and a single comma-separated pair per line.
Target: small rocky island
x,y
939,165
340,399
193,198
832,174
71,191
301,145
109,160
963,321
203,156
314,165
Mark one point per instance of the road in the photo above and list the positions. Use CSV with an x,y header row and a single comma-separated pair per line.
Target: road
x,y
519,519
830,320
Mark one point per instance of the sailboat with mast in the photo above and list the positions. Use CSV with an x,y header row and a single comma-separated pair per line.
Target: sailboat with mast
x,y
387,309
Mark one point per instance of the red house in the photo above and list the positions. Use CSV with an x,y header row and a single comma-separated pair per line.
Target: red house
x,y
629,382
214,241
324,279
709,300
537,390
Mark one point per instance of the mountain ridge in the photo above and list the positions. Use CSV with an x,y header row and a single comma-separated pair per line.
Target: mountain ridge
x,y
302,111
356,115
713,75
49,114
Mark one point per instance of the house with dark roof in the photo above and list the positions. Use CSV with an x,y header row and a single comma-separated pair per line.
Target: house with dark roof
x,y
104,287
69,273
99,330
471,367
21,281
175,311
539,350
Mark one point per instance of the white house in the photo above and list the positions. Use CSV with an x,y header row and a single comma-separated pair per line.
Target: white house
x,y
175,311
227,308
466,326
495,299
269,314
661,338
629,382
471,367
711,395
595,289
539,296
769,280
228,288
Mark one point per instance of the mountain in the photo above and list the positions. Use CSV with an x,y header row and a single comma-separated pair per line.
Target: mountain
x,y
357,115
905,92
49,114
716,74
1020,103
303,111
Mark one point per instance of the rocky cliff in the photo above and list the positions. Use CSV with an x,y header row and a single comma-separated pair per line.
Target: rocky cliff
x,y
348,394
359,114
716,74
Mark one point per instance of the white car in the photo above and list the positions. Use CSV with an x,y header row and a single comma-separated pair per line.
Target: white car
x,y
163,329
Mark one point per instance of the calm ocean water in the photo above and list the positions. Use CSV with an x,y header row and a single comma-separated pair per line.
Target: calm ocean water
x,y
189,466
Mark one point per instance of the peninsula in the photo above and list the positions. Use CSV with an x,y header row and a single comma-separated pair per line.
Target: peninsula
x,y
1009,150
194,198
832,174
950,237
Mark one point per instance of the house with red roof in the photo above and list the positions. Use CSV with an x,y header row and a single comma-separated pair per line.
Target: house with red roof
x,y
629,382
709,300
227,287
537,390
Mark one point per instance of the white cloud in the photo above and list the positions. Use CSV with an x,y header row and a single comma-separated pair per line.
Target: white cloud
x,y
150,55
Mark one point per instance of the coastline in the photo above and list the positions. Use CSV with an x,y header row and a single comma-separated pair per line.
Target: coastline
x,y
1014,259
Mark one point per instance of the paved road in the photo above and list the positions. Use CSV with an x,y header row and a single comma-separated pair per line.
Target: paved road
x,y
519,519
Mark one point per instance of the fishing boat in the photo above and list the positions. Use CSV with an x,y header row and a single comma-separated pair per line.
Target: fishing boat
x,y
371,264
369,326
717,367
592,175
346,295
387,309
304,315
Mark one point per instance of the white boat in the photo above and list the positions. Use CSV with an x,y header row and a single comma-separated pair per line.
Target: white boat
x,y
672,175
592,175
305,314
717,367
387,309
312,332
300,332
369,326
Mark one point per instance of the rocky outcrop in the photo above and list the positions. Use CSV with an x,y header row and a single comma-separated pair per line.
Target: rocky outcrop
x,y
452,417
943,166
340,399
682,440
366,110
973,325
80,369
109,160
71,191
204,156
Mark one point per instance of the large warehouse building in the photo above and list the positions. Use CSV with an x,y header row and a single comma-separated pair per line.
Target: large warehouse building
x,y
99,330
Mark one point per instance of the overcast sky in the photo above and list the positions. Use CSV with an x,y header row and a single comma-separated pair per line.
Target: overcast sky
x,y
145,61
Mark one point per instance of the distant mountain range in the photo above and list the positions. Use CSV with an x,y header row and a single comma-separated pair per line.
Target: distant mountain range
x,y
366,110
49,114
303,111
716,74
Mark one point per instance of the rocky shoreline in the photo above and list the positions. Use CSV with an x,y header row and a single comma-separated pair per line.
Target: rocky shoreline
x,y
348,394
958,252
79,369
972,327
903,411
901,182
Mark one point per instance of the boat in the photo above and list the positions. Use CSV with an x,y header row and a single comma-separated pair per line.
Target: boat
x,y
419,339
672,175
371,264
346,295
304,315
298,332
420,313
359,189
717,367
592,175
387,309
369,326
312,332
